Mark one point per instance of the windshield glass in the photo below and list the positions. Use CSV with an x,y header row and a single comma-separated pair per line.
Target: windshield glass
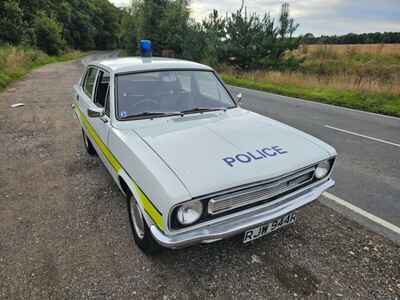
x,y
169,92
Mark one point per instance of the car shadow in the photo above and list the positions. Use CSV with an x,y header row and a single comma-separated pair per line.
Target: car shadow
x,y
260,267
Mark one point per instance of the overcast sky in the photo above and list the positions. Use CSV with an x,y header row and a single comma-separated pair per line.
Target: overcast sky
x,y
316,16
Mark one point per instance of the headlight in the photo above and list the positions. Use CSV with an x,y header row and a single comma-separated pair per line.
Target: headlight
x,y
322,169
189,212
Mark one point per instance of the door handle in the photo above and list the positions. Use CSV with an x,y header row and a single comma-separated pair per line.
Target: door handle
x,y
104,119
77,97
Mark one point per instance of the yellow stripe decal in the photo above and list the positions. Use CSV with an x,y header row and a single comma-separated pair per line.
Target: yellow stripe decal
x,y
107,153
149,207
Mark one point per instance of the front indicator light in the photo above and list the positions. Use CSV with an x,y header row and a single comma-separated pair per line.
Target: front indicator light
x,y
188,213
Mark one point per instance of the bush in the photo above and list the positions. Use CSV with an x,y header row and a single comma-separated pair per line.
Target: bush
x,y
49,35
15,62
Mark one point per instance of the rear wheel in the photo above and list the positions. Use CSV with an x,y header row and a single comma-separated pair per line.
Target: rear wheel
x,y
88,144
141,232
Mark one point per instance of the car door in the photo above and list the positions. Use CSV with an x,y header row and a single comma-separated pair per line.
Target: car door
x,y
94,94
83,97
102,125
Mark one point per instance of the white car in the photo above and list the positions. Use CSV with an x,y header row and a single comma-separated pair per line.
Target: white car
x,y
195,167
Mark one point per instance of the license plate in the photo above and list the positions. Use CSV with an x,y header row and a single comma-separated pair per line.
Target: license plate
x,y
263,230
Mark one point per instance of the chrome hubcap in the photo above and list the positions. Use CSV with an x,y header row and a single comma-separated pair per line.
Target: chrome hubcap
x,y
137,218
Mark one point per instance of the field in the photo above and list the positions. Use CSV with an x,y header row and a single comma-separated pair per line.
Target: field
x,y
365,77
15,62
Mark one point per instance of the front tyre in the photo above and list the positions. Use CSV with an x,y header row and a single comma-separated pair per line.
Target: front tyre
x,y
140,229
88,144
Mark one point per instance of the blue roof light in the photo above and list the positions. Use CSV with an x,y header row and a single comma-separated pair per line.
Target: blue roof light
x,y
145,48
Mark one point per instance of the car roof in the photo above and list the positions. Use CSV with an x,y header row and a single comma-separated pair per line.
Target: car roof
x,y
134,64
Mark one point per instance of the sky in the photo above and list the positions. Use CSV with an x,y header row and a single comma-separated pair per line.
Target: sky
x,y
315,16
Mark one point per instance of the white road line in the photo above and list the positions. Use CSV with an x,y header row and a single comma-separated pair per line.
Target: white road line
x,y
362,212
363,136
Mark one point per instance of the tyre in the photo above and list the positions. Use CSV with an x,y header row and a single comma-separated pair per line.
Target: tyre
x,y
88,144
141,231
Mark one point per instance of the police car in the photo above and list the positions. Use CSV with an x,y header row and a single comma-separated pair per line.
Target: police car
x,y
195,166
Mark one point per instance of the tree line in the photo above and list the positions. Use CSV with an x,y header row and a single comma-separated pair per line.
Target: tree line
x,y
55,25
353,38
244,40
241,39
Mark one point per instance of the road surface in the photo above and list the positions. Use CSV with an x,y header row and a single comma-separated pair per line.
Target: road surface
x,y
64,230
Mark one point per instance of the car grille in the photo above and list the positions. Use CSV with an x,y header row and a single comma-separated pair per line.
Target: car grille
x,y
261,192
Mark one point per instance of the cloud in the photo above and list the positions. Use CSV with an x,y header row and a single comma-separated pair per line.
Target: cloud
x,y
121,3
316,16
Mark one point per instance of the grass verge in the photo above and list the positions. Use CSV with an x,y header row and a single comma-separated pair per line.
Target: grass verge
x,y
16,62
382,103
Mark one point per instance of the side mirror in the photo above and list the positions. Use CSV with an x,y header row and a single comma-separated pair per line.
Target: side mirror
x,y
95,112
239,98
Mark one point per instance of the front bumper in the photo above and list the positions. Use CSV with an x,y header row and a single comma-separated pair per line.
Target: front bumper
x,y
239,224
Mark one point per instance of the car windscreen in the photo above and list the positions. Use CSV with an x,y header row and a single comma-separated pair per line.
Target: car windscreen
x,y
169,92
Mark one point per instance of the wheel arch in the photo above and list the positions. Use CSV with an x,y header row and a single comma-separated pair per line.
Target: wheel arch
x,y
128,188
151,214
125,184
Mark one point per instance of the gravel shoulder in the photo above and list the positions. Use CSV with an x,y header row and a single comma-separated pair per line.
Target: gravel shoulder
x,y
64,230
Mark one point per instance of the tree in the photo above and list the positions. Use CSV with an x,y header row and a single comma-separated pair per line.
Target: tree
x,y
106,21
287,25
48,35
174,26
253,41
12,25
214,37
79,24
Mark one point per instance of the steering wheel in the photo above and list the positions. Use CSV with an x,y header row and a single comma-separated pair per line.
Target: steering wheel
x,y
146,101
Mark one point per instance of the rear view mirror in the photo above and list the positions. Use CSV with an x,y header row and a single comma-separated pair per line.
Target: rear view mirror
x,y
95,112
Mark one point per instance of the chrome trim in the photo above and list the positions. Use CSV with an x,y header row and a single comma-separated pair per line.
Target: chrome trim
x,y
198,225
233,226
248,196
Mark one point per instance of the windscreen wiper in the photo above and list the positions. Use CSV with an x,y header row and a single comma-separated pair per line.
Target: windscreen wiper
x,y
152,114
201,109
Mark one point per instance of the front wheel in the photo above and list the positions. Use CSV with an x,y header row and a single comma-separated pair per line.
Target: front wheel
x,y
140,229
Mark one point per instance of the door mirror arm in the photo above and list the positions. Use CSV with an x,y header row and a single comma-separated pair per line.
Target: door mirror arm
x,y
239,98
96,112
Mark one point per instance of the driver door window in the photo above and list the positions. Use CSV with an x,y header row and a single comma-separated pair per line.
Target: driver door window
x,y
207,87
102,94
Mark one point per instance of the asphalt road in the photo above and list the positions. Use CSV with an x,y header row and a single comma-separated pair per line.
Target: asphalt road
x,y
367,171
64,230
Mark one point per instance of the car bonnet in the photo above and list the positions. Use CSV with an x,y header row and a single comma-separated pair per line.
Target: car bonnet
x,y
216,151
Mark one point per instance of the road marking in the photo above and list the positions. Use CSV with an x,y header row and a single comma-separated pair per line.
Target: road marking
x,y
362,212
318,103
363,136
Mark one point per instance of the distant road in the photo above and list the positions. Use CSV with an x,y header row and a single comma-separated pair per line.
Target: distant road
x,y
368,168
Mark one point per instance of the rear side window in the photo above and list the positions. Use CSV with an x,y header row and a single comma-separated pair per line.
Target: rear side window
x,y
89,82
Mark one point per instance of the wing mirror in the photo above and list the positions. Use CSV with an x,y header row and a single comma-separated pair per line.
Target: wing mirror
x,y
95,112
239,98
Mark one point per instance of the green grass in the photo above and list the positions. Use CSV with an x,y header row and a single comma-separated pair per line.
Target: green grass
x,y
16,62
373,102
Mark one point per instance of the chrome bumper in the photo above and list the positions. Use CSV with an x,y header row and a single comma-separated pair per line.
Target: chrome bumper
x,y
239,224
